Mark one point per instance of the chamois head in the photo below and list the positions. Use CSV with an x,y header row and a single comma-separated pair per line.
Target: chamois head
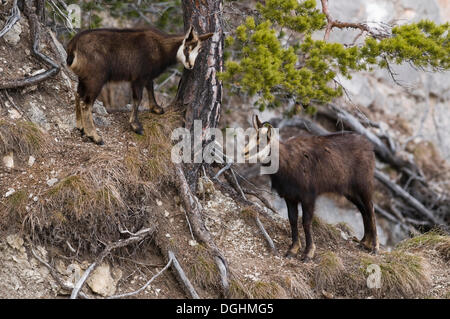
x,y
259,144
190,48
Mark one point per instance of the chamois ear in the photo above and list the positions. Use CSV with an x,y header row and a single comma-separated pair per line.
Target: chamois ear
x,y
256,122
190,35
206,36
269,129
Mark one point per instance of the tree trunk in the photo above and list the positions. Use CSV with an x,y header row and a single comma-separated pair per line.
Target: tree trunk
x,y
200,91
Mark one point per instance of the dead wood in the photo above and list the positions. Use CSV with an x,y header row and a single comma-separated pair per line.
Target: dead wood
x,y
35,34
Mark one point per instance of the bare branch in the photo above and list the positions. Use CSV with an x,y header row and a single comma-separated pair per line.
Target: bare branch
x,y
140,235
35,35
144,286
332,23
12,19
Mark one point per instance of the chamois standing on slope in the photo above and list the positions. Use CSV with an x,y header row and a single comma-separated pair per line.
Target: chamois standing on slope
x,y
134,55
341,163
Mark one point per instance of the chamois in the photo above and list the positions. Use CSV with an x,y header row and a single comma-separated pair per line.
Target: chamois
x,y
138,56
341,163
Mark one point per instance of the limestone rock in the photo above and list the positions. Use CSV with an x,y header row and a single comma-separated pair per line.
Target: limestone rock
x,y
102,281
8,160
13,35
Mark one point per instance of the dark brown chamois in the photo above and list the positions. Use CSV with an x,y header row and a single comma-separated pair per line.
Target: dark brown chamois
x,y
134,55
341,163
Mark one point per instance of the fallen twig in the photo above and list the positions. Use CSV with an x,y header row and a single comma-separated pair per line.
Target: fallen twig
x,y
140,235
35,35
128,294
55,276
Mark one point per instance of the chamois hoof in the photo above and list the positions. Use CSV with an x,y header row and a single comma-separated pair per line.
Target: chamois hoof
x,y
290,254
81,131
157,110
137,128
98,141
306,259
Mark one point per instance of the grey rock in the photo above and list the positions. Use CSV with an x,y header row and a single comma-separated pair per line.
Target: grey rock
x,y
12,37
8,160
102,281
423,9
36,115
52,181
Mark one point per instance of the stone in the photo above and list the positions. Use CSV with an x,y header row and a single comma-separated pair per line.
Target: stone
x,y
31,160
52,181
15,241
8,160
10,192
13,35
101,281
36,115
99,108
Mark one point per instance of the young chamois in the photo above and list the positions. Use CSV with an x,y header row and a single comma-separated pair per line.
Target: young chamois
x,y
134,55
341,163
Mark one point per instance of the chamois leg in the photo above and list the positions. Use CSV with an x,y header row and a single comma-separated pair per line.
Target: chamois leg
x,y
364,204
137,98
308,213
371,241
80,92
292,207
78,114
154,107
93,88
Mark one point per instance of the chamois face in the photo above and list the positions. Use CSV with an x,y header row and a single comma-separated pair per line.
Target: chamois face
x,y
259,144
190,48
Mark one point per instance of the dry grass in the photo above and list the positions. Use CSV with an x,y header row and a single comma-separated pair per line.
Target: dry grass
x,y
241,288
329,271
324,233
202,269
434,239
152,159
14,210
20,137
297,286
403,274
89,206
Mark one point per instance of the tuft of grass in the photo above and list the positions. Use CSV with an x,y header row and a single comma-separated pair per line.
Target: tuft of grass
x,y
298,287
155,162
23,138
14,210
329,271
402,274
265,290
203,269
324,232
248,214
433,239
91,205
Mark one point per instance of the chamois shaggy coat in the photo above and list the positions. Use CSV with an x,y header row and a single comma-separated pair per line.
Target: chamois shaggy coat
x,y
134,55
341,163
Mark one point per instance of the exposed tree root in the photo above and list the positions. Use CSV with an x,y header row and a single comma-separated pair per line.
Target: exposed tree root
x,y
193,210
129,294
183,278
12,19
35,36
